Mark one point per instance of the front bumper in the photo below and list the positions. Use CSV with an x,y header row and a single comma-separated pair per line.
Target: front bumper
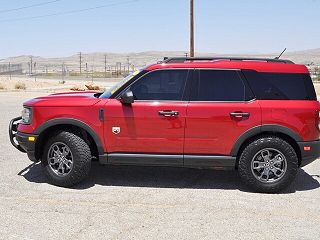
x,y
24,142
310,151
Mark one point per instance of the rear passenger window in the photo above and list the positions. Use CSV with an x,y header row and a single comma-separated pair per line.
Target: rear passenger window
x,y
281,86
220,85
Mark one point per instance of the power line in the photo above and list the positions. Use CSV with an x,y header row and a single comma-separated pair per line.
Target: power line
x,y
28,6
69,12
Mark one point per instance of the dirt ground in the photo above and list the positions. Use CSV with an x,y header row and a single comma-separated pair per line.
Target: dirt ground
x,y
52,85
118,202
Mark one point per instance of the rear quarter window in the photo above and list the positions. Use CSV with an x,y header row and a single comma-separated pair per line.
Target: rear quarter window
x,y
281,86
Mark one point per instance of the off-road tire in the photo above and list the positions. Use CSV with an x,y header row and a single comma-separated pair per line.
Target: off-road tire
x,y
81,159
248,153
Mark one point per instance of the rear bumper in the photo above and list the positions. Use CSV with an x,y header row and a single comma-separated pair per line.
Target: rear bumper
x,y
310,151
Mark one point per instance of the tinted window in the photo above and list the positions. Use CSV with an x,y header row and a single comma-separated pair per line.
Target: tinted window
x,y
161,85
220,85
281,86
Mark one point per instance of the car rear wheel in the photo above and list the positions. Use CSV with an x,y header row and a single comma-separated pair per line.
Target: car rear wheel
x,y
268,164
66,159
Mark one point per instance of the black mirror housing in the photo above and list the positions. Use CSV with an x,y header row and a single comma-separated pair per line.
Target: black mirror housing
x,y
127,97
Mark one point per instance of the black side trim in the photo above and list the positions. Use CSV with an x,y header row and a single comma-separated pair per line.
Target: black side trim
x,y
75,122
260,129
309,156
209,161
281,129
145,159
101,114
192,161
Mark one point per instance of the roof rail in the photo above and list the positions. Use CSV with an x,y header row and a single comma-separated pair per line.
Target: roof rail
x,y
183,59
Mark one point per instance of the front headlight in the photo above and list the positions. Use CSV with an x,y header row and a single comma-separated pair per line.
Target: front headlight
x,y
26,115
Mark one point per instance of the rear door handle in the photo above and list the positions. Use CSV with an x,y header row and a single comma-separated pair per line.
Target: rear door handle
x,y
168,113
239,114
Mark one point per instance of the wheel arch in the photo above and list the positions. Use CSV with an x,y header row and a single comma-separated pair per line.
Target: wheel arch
x,y
67,124
277,130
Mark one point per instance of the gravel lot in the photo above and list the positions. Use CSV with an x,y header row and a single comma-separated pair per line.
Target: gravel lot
x,y
145,202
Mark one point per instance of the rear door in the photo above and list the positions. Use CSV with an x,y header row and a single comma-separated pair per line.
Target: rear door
x,y
155,122
221,109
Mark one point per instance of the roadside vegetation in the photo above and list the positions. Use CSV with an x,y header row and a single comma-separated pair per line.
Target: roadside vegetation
x,y
20,85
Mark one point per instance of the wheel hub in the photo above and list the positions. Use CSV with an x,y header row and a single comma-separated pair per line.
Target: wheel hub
x,y
60,159
269,165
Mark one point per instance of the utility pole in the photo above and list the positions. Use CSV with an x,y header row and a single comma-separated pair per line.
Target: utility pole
x,y
9,70
105,66
128,62
86,70
62,72
31,64
35,71
80,61
191,29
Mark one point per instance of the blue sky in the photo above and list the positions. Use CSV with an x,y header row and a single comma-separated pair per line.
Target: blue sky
x,y
229,26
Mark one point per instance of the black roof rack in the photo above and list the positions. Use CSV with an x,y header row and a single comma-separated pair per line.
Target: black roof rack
x,y
183,59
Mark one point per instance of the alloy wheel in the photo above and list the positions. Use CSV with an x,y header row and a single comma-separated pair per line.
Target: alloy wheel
x,y
269,165
60,159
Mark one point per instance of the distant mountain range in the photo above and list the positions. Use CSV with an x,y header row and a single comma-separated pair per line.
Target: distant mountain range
x,y
95,61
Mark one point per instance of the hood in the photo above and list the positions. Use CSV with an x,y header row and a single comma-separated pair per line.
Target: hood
x,y
68,99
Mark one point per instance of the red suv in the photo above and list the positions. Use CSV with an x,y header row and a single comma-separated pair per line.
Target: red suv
x,y
258,116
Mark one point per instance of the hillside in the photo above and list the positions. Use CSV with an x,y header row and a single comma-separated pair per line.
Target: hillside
x,y
95,61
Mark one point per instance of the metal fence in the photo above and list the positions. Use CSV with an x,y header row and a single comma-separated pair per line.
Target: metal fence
x,y
6,69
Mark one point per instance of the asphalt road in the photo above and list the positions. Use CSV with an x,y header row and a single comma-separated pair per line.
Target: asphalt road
x,y
147,203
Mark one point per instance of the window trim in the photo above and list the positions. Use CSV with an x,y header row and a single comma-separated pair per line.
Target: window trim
x,y
186,87
240,74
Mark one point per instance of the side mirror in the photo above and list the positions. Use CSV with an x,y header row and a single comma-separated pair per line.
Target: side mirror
x,y
127,97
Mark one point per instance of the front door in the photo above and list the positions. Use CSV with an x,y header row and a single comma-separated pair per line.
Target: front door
x,y
155,122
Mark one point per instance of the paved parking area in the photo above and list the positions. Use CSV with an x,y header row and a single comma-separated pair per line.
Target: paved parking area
x,y
145,202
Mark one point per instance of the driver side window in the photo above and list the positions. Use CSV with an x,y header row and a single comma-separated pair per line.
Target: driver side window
x,y
161,85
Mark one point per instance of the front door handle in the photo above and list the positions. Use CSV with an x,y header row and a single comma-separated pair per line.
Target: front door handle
x,y
168,113
239,115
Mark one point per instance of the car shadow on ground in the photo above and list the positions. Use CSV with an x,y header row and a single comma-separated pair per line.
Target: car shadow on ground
x,y
166,177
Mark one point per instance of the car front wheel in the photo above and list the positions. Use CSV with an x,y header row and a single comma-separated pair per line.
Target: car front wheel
x,y
66,159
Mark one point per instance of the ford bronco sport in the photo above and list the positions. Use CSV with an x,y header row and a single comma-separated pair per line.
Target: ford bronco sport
x,y
258,116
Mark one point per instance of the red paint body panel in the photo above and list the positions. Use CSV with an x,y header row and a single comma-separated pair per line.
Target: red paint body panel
x,y
69,99
300,116
250,65
143,130
211,130
85,107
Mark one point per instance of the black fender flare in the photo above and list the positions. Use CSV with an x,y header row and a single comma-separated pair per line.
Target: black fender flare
x,y
75,122
261,129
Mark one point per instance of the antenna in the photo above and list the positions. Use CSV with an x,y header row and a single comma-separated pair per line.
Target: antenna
x,y
281,53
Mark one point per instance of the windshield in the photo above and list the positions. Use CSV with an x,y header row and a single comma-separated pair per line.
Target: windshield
x,y
118,85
